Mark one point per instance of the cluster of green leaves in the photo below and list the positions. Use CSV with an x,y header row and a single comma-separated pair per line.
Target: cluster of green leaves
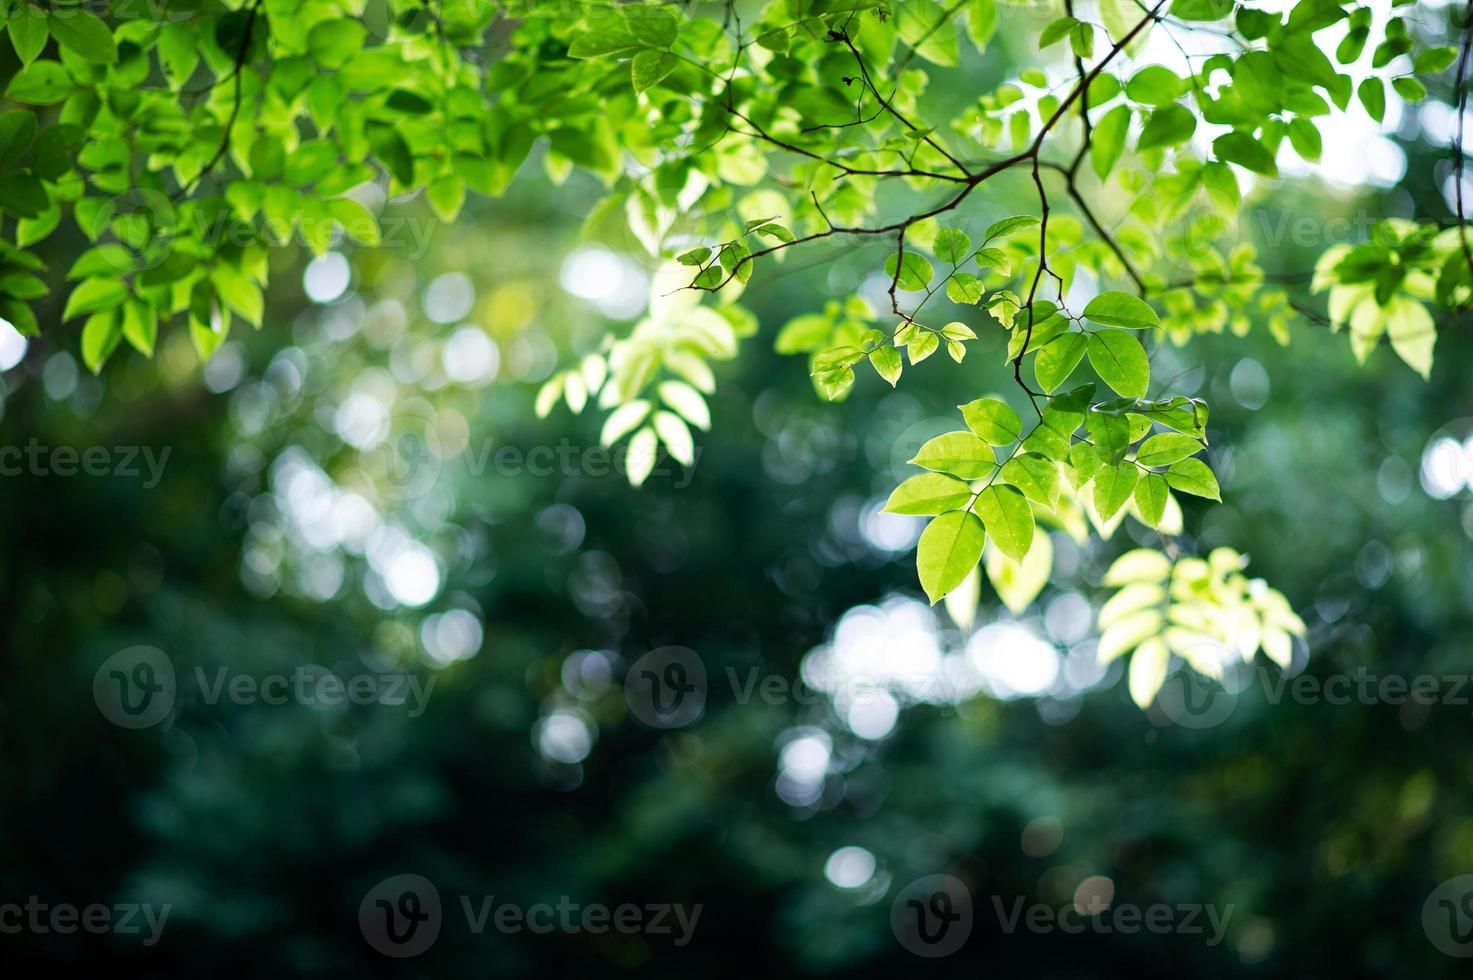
x,y
655,381
1098,454
184,147
1204,611
1382,287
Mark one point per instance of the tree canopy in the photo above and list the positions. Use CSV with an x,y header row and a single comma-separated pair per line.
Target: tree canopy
x,y
735,141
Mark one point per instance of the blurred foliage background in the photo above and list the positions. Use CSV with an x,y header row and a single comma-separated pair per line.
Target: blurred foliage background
x,y
525,584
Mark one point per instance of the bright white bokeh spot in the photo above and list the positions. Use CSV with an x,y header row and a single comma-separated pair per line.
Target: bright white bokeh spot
x,y
601,276
849,867
1249,384
327,277
587,674
412,575
564,736
12,345
889,532
451,636
873,716
470,357
1014,661
1447,466
59,376
449,297
361,420
225,370
806,758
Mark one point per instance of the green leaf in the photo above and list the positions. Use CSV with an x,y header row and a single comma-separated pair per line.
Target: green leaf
x,y
930,30
1194,477
140,325
950,547
1433,60
951,245
333,43
17,130
1150,498
1018,583
446,196
41,83
389,146
93,296
1109,140
1056,31
1058,360
1201,10
1116,309
993,421
649,67
1167,126
1008,518
356,220
1409,88
1082,40
110,259
1305,137
28,31
1373,96
1166,448
801,334
1155,85
887,363
915,272
958,453
1113,486
981,22
83,33
928,493
1007,226
834,385
311,161
1138,565
100,336
1120,361
1148,669
964,288
602,44
1245,151
239,293
1410,329
1036,476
